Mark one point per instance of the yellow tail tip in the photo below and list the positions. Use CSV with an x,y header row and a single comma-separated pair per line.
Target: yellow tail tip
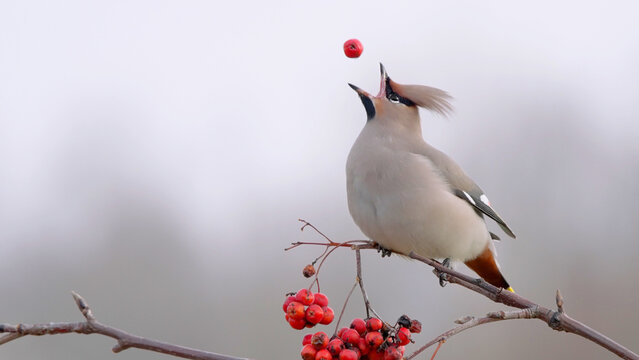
x,y
511,289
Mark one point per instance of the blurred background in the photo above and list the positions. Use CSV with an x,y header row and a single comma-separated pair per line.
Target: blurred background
x,y
155,157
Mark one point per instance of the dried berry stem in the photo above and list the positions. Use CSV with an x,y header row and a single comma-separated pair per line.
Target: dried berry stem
x,y
341,313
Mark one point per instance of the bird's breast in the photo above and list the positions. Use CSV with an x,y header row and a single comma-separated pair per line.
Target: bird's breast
x,y
400,200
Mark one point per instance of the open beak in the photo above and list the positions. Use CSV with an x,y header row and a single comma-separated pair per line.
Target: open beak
x,y
359,91
382,85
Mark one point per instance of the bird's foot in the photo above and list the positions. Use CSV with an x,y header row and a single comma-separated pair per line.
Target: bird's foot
x,y
443,277
385,252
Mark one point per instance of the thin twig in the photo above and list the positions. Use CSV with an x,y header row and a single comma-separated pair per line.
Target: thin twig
x,y
92,326
360,279
341,313
470,322
560,302
306,223
9,337
437,349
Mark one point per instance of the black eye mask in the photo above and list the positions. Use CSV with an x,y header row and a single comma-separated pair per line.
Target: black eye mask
x,y
395,97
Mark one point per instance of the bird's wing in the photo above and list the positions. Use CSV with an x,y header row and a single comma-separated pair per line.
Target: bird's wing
x,y
463,186
482,204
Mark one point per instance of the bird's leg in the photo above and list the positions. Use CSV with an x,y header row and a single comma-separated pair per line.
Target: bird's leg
x,y
385,252
443,276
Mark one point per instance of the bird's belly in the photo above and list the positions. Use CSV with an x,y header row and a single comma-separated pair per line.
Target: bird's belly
x,y
406,210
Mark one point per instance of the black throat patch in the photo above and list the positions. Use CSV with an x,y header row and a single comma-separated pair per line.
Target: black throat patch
x,y
368,105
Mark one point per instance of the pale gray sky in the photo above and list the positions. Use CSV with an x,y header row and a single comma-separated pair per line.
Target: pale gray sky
x,y
155,157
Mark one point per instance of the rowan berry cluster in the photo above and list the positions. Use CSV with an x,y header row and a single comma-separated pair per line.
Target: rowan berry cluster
x,y
369,339
305,309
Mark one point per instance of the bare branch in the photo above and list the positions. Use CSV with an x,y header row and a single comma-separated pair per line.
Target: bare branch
x,y
557,320
560,302
92,326
9,337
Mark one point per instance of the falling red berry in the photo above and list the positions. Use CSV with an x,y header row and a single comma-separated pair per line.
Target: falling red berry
x,y
353,48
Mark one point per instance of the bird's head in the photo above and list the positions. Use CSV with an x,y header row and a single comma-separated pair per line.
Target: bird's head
x,y
398,102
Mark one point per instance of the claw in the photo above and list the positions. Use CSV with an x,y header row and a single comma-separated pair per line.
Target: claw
x,y
443,277
385,252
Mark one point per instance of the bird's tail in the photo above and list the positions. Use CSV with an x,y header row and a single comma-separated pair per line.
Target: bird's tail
x,y
485,265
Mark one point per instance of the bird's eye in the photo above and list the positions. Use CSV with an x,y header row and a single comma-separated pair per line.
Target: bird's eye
x,y
394,98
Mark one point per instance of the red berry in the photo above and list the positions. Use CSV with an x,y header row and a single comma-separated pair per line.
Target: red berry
x,y
305,297
375,355
307,339
297,324
359,325
348,354
319,340
320,299
401,349
335,346
323,355
341,332
374,339
308,352
363,347
415,326
329,315
288,300
403,335
351,336
374,324
392,353
314,314
353,48
295,310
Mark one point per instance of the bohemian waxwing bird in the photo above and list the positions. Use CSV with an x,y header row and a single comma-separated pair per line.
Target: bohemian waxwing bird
x,y
408,196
